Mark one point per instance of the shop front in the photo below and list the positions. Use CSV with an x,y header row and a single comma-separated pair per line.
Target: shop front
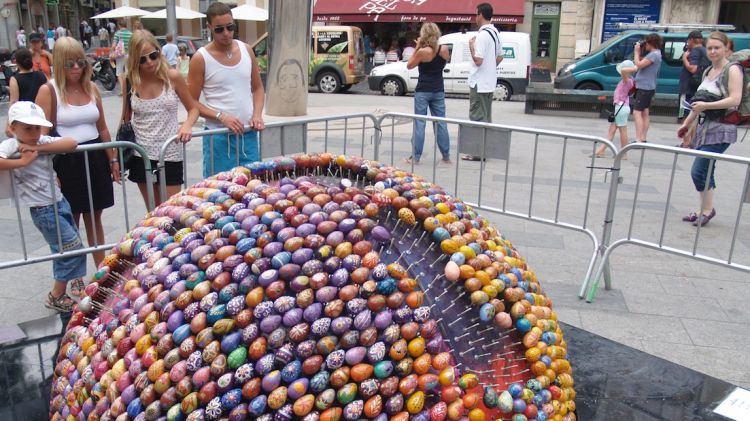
x,y
385,22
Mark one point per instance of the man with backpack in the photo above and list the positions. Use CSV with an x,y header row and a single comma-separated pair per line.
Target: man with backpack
x,y
486,53
694,62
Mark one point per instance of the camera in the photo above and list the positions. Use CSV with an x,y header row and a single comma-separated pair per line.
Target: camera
x,y
684,48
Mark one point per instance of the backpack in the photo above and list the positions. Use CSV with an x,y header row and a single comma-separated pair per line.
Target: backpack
x,y
741,114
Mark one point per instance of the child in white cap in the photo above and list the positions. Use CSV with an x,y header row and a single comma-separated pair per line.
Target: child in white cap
x,y
621,100
36,189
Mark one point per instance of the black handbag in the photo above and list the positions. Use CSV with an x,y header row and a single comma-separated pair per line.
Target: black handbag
x,y
611,116
125,132
706,96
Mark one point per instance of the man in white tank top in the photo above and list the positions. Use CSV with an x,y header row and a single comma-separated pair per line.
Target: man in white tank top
x,y
226,72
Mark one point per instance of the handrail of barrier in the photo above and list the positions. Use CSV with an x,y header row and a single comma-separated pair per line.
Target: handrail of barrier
x,y
274,124
595,141
608,246
97,247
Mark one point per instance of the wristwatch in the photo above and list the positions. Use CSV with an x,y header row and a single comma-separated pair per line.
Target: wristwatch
x,y
218,115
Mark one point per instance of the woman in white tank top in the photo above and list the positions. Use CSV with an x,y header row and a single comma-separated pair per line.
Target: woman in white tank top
x,y
155,93
79,114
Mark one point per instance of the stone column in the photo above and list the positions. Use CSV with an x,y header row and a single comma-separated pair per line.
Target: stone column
x,y
289,54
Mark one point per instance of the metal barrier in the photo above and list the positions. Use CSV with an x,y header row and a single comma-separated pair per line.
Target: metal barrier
x,y
288,137
494,141
84,149
608,246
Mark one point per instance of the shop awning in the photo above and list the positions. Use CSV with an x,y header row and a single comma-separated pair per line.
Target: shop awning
x,y
439,11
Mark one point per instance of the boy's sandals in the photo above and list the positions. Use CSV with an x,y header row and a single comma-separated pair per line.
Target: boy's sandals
x,y
410,160
63,303
77,287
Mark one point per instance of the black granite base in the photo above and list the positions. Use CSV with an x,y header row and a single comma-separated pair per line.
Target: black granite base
x,y
612,381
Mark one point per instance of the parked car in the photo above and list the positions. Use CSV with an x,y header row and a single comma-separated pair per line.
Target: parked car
x,y
337,57
193,43
596,70
512,72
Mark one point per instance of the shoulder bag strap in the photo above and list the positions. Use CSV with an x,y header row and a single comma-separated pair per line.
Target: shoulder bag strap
x,y
128,106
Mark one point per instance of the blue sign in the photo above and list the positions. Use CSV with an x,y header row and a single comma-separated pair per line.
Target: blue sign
x,y
628,11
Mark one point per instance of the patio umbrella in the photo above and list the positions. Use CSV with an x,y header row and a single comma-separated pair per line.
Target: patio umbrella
x,y
248,12
121,12
181,12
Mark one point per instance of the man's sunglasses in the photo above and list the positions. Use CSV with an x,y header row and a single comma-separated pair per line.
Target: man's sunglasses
x,y
151,56
220,29
81,63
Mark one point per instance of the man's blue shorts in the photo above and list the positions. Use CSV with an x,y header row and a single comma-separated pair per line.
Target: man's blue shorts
x,y
226,148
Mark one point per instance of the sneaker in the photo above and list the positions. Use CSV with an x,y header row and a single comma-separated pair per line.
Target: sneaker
x,y
473,158
63,303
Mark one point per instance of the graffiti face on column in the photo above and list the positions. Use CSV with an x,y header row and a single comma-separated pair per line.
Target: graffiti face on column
x,y
290,80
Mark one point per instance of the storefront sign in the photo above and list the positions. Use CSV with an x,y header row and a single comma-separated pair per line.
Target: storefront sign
x,y
407,11
468,19
547,9
628,11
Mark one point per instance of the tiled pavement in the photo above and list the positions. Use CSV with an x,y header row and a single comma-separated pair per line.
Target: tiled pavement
x,y
688,312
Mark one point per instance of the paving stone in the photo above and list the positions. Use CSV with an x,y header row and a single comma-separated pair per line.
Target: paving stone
x,y
725,335
622,326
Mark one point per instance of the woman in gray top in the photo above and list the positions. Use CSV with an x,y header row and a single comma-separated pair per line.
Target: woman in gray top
x,y
712,133
645,81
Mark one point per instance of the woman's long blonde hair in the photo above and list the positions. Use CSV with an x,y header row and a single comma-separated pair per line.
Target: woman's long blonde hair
x,y
141,39
429,35
67,48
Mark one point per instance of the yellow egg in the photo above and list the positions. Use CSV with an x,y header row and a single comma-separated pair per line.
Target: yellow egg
x,y
443,208
468,252
447,376
476,414
415,402
449,246
416,346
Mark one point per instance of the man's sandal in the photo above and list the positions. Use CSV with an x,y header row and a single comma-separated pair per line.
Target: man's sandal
x,y
63,303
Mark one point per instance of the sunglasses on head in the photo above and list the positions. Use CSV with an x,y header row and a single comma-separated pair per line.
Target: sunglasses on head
x,y
220,29
81,63
151,56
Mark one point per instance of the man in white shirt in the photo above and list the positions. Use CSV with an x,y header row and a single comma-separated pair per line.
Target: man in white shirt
x,y
486,54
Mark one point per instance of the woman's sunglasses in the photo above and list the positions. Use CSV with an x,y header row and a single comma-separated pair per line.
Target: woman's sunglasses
x,y
81,63
151,56
220,29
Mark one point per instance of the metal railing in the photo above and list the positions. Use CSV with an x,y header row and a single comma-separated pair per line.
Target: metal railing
x,y
608,245
494,141
82,149
281,138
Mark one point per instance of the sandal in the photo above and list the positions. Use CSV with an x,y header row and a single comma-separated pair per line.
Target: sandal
x,y
691,217
77,287
598,155
63,303
703,220
446,161
411,160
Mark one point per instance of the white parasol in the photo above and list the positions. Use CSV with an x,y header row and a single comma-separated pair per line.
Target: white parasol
x,y
248,12
181,12
121,12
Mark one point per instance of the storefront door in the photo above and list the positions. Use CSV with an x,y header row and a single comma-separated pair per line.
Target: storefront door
x,y
545,25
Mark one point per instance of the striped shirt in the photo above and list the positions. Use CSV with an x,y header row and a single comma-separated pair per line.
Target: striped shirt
x,y
123,35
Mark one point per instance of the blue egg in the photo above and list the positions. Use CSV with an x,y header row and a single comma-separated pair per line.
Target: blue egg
x,y
280,259
230,228
224,220
477,249
523,325
541,416
231,341
519,405
135,408
506,280
269,217
244,245
440,234
387,286
319,382
216,313
458,258
181,333
546,360
291,371
515,390
523,285
257,406
529,297
486,312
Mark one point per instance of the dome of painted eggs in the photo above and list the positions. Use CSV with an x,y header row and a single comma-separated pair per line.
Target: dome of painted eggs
x,y
313,287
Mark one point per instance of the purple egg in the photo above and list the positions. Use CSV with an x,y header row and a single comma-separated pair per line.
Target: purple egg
x,y
363,320
263,310
340,325
339,278
321,326
311,267
301,256
241,214
435,344
326,294
175,320
233,261
335,238
188,269
305,349
332,264
355,355
313,312
265,364
352,262
272,249
167,311
240,271
286,233
198,253
289,271
347,225
355,305
306,230
402,315
250,333
292,317
319,218
266,278
278,225
298,388
381,234
300,283
383,319
310,209
249,221
330,207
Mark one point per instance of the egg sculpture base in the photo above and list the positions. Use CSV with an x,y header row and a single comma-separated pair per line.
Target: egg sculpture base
x,y
313,287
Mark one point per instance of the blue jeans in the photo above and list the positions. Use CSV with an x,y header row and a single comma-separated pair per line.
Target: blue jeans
x,y
225,150
699,172
64,268
436,103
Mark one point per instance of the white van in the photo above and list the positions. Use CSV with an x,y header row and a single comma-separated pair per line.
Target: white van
x,y
512,72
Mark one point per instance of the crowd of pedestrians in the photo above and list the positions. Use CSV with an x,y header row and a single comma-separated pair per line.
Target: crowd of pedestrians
x,y
55,107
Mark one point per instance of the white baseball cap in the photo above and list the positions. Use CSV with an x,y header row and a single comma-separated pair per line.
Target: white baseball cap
x,y
29,113
625,64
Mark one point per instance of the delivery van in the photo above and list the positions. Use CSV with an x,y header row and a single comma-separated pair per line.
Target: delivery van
x,y
337,57
512,72
596,70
